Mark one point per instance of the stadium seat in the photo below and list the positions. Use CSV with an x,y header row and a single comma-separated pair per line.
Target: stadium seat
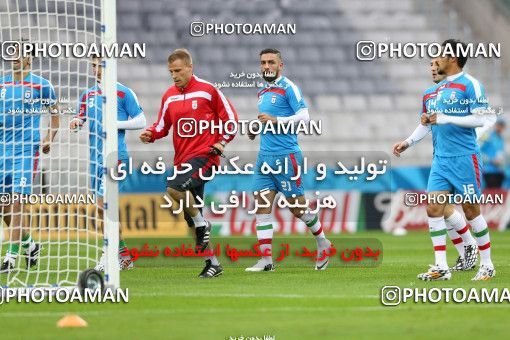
x,y
349,96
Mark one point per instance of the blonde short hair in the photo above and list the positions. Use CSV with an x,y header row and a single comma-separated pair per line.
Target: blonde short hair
x,y
182,54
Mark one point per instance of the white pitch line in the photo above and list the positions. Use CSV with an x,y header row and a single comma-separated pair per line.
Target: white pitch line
x,y
49,314
189,310
253,295
231,309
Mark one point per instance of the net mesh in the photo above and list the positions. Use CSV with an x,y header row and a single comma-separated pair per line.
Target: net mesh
x,y
69,234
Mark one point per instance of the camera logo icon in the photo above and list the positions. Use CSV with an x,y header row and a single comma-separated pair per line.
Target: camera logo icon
x,y
365,50
11,50
187,127
197,29
5,200
411,199
391,295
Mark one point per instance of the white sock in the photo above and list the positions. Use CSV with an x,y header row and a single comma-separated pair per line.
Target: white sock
x,y
265,230
313,223
28,244
11,257
214,260
456,239
483,240
453,223
437,228
199,220
457,222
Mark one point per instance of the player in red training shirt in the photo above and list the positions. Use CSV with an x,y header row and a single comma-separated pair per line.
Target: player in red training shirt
x,y
186,103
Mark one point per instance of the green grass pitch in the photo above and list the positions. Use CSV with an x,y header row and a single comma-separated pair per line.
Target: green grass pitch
x,y
168,301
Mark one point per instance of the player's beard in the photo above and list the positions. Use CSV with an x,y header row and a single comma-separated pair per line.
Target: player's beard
x,y
441,71
18,66
270,76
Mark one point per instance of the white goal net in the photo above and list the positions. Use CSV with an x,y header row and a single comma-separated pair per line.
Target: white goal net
x,y
52,225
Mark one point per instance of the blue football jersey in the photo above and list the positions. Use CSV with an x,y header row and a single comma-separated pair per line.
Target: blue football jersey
x,y
90,108
21,106
459,96
280,99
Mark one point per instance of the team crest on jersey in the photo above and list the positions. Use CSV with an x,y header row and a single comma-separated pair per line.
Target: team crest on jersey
x,y
28,94
194,104
2,92
452,97
273,99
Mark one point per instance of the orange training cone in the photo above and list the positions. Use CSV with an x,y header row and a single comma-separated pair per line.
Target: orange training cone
x,y
71,320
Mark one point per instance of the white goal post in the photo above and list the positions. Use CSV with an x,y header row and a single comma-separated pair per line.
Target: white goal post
x,y
111,199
